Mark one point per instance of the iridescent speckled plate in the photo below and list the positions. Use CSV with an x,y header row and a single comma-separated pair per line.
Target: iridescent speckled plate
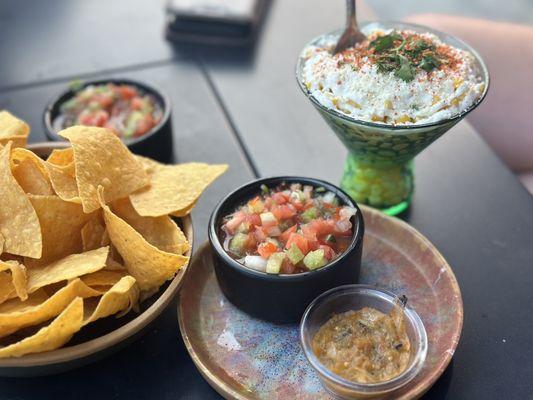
x,y
245,358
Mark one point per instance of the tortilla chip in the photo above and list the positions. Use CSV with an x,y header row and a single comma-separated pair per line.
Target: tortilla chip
x,y
64,182
18,315
112,263
70,267
17,305
102,159
61,223
93,233
150,266
19,155
174,188
61,157
103,278
13,129
12,126
185,211
16,141
52,336
31,180
7,289
19,224
18,277
30,172
121,297
1,244
161,232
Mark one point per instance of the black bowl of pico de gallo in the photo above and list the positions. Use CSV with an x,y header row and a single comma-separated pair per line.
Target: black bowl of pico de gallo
x,y
136,112
278,243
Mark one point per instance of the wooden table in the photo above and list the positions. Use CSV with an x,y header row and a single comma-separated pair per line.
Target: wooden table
x,y
243,107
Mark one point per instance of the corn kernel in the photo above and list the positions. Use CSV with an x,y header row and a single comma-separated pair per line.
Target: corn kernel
x,y
353,103
403,118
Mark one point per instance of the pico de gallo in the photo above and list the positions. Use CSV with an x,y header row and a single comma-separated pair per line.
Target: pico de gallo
x,y
123,108
289,229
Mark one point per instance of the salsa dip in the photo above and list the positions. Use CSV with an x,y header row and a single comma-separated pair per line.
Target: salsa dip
x,y
289,229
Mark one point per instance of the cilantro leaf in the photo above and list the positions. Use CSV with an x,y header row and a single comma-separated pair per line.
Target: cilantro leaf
x,y
386,42
406,72
429,63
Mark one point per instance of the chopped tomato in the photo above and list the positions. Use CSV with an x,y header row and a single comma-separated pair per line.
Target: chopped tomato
x,y
260,234
287,267
105,100
144,125
254,219
137,103
266,249
313,244
298,205
287,233
279,198
329,253
283,211
318,227
235,221
96,118
298,240
127,92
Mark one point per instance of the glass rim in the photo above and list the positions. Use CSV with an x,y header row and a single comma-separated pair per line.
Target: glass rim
x,y
390,24
386,386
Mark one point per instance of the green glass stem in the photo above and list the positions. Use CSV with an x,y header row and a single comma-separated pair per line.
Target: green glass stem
x,y
388,187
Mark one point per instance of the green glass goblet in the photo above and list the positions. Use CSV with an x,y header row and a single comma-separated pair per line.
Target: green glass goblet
x,y
379,167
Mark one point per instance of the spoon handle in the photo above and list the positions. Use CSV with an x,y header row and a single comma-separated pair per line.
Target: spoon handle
x,y
351,15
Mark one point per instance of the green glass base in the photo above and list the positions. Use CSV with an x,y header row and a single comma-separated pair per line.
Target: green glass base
x,y
386,187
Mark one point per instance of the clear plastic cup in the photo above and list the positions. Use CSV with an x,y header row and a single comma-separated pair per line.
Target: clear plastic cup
x,y
355,297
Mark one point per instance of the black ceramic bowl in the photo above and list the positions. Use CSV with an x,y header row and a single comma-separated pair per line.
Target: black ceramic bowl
x,y
280,298
156,143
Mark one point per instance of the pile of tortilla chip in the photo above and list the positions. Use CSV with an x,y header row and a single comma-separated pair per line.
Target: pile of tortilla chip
x,y
86,233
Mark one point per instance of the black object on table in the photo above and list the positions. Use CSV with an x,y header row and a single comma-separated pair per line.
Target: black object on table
x,y
245,109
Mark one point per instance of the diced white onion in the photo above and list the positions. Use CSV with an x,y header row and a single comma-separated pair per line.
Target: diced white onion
x,y
255,262
329,197
267,218
226,242
347,212
343,225
274,231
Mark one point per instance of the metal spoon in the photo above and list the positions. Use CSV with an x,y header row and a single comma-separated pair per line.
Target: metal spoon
x,y
352,34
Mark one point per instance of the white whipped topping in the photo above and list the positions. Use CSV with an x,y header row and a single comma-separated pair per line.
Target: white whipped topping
x,y
362,92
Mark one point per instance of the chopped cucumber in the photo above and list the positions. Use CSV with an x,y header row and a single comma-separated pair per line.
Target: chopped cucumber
x,y
274,263
238,243
264,189
256,206
244,227
315,259
294,254
331,239
309,214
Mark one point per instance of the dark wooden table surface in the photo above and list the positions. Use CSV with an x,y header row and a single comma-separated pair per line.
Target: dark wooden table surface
x,y
242,107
